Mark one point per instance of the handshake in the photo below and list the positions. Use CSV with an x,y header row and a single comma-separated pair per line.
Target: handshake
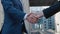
x,y
33,17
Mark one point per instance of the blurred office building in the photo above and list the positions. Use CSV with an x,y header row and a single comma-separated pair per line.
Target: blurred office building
x,y
49,23
42,24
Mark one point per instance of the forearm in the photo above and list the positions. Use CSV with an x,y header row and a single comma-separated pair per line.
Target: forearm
x,y
52,10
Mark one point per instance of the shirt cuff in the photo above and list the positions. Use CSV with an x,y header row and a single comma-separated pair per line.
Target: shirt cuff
x,y
25,16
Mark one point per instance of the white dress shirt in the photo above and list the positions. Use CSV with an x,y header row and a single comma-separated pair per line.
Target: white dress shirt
x,y
26,8
24,4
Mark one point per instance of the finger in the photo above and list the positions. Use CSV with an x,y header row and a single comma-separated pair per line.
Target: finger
x,y
37,16
31,20
34,20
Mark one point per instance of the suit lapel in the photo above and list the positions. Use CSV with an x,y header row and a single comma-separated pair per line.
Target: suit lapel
x,y
17,4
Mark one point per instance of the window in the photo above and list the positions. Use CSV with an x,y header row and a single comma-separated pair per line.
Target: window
x,y
50,27
45,27
50,22
44,21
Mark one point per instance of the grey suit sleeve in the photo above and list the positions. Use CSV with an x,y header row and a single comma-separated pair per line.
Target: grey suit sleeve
x,y
52,10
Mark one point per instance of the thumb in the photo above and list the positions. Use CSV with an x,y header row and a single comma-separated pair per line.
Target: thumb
x,y
38,16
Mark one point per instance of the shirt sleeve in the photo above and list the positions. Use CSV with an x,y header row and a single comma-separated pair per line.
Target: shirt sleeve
x,y
25,16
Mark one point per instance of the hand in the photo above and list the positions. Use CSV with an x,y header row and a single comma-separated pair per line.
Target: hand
x,y
32,18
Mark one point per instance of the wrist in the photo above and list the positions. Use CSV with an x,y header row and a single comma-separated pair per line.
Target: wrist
x,y
25,16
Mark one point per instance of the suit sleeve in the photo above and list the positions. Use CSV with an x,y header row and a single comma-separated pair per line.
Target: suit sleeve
x,y
12,11
52,10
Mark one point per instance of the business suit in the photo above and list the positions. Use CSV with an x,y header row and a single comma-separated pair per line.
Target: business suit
x,y
13,17
52,10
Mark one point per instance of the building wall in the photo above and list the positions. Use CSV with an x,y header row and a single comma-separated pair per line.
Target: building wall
x,y
49,23
57,22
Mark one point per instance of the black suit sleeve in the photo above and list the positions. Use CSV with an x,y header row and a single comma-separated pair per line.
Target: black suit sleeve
x,y
52,10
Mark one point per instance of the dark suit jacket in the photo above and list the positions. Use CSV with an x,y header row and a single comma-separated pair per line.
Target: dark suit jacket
x,y
13,19
52,10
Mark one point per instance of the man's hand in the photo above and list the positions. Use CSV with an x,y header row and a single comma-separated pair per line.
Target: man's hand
x,y
32,18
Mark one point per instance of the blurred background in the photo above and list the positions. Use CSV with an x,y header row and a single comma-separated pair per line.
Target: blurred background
x,y
43,26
